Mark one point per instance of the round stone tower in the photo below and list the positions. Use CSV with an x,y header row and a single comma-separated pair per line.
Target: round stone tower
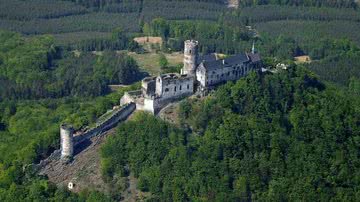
x,y
66,141
190,57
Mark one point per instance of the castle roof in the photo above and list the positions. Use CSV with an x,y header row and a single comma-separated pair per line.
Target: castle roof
x,y
212,65
237,59
208,57
230,61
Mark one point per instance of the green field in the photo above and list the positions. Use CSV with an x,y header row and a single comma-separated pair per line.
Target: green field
x,y
150,61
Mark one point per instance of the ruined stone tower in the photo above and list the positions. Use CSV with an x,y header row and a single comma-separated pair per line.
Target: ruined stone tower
x,y
190,57
66,142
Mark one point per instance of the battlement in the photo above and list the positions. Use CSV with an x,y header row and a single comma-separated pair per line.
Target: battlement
x,y
191,43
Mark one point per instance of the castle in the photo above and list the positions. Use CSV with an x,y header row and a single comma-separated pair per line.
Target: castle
x,y
199,74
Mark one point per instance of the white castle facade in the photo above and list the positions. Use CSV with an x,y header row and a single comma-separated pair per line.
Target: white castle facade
x,y
199,73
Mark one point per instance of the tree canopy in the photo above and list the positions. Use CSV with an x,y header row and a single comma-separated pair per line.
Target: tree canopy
x,y
282,137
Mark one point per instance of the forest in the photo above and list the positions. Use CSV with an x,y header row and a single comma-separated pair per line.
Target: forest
x,y
42,86
35,68
281,137
291,136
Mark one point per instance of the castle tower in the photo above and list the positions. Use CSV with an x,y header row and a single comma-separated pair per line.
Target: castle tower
x,y
66,142
190,57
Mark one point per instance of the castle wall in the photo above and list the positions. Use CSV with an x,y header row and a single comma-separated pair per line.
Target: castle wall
x,y
176,88
126,98
149,105
219,75
201,75
155,105
119,115
158,87
148,86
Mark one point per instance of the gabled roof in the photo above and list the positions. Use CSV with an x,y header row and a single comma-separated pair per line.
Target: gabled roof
x,y
237,59
232,60
213,65
208,57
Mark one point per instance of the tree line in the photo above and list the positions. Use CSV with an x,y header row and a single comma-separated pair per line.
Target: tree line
x,y
309,3
266,13
212,36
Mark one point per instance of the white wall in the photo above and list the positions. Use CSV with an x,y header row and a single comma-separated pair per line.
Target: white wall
x,y
176,88
223,74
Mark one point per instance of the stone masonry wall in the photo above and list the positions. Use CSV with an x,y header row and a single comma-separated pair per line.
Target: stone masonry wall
x,y
177,88
119,115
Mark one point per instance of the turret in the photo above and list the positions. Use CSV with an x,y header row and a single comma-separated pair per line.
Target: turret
x,y
66,142
190,57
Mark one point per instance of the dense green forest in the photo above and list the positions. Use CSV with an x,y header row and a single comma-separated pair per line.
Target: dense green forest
x,y
35,68
283,137
42,86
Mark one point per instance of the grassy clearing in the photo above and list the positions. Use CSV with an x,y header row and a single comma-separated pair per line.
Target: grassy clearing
x,y
149,61
302,59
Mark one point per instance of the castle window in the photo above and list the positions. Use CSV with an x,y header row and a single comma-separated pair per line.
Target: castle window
x,y
188,87
166,90
175,89
190,51
180,87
